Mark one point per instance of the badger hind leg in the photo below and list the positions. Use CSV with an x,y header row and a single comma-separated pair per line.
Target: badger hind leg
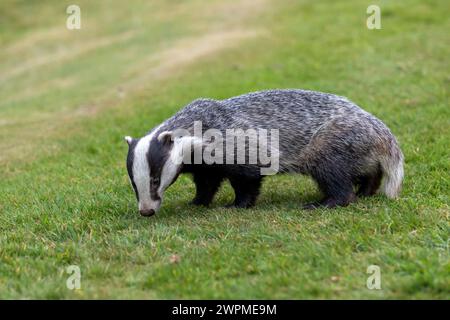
x,y
369,184
246,191
206,185
337,155
336,187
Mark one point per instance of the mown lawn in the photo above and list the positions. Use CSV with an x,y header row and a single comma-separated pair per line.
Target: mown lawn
x,y
67,98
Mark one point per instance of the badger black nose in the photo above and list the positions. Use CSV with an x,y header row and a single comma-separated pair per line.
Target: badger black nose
x,y
147,213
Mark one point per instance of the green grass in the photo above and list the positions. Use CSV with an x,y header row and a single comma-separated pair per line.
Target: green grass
x,y
67,98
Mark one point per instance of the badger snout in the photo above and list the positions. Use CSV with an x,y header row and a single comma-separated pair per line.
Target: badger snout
x,y
147,212
148,209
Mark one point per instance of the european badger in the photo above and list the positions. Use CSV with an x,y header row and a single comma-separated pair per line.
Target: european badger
x,y
338,144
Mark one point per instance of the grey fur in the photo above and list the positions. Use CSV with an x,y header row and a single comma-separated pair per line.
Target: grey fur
x,y
322,135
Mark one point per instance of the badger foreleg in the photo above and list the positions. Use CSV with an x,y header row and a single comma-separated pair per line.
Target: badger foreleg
x,y
206,187
246,191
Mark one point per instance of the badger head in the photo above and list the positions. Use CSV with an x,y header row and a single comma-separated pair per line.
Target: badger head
x,y
153,163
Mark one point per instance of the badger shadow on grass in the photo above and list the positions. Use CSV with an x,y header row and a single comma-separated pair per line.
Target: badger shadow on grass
x,y
287,201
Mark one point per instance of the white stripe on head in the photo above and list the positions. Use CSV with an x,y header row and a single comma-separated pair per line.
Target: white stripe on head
x,y
141,171
169,172
171,166
181,151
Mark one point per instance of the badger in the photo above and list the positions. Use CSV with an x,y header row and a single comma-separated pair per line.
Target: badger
x,y
347,151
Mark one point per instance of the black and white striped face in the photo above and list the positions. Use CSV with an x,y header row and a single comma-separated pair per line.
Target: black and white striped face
x,y
152,167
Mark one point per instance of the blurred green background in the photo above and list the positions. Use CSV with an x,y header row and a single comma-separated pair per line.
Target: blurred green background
x,y
67,98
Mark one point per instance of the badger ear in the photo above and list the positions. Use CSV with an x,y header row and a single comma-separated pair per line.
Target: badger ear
x,y
165,137
128,139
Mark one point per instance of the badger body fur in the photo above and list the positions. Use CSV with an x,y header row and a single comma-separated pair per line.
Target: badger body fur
x,y
345,149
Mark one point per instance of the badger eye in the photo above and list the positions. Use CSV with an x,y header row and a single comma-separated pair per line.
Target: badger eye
x,y
155,180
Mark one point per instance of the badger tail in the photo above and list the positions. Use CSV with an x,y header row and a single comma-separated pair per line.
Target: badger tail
x,y
392,166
